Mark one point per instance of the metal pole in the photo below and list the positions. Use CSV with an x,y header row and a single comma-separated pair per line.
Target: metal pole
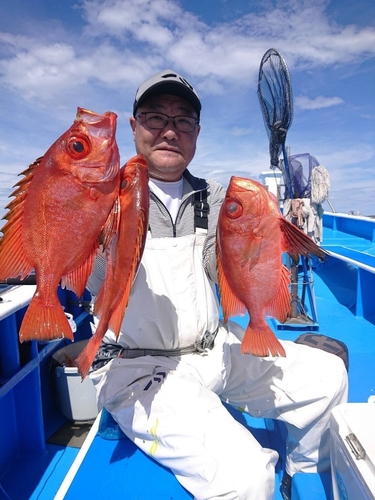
x,y
294,288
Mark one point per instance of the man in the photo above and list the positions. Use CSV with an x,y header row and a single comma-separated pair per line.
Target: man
x,y
178,363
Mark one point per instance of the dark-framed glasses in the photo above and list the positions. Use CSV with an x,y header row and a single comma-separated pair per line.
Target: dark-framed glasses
x,y
183,123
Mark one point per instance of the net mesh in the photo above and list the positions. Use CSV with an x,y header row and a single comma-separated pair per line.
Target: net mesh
x,y
276,101
300,168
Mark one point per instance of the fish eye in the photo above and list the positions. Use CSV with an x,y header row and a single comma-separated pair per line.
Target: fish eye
x,y
78,147
234,209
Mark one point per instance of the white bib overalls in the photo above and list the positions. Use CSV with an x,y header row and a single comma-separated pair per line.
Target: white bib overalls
x,y
171,407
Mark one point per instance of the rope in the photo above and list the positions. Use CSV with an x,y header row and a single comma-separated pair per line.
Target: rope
x,y
320,184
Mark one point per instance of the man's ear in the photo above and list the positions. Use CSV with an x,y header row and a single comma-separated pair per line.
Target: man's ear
x,y
133,123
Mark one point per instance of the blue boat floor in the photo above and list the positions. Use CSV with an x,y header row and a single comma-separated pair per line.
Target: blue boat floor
x,y
115,467
129,471
37,477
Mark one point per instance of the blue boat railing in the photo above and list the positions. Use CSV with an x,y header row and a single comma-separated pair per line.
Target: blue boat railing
x,y
29,413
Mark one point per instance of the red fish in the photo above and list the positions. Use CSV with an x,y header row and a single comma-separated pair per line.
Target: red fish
x,y
55,220
124,256
252,235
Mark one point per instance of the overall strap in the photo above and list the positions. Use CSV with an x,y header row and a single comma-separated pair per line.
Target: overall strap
x,y
201,210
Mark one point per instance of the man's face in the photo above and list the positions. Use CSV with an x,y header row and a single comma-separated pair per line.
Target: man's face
x,y
167,151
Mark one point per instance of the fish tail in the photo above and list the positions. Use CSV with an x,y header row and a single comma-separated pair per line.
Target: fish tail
x,y
261,342
44,322
86,357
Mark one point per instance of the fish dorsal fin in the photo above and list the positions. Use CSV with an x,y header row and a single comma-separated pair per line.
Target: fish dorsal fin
x,y
230,304
280,307
76,280
13,261
297,242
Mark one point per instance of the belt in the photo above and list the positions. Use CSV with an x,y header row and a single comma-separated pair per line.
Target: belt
x,y
206,342
108,351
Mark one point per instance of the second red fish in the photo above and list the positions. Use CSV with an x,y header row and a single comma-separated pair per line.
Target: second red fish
x,y
252,235
123,259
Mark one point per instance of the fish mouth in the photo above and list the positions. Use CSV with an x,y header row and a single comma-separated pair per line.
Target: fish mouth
x,y
99,125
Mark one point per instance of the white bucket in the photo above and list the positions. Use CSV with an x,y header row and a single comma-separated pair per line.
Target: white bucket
x,y
76,398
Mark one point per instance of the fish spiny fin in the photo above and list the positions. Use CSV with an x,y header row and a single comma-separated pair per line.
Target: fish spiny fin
x,y
261,342
13,261
280,307
44,322
230,304
297,242
76,280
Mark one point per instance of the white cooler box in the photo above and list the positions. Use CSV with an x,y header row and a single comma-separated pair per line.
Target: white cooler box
x,y
353,451
77,399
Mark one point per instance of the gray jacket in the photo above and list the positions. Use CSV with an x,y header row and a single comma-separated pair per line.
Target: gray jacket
x,y
162,226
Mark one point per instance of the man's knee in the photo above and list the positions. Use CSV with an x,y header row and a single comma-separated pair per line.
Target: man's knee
x,y
258,483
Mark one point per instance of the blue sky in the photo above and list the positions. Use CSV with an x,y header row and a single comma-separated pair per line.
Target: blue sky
x,y
57,55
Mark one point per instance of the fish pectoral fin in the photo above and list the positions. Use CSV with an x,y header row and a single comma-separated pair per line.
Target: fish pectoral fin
x,y
76,280
280,306
230,304
261,342
111,225
251,251
297,242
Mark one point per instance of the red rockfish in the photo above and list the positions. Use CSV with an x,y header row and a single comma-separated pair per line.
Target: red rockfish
x,y
56,218
123,257
252,235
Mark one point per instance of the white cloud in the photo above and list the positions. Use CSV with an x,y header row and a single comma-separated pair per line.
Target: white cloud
x,y
144,20
125,40
319,102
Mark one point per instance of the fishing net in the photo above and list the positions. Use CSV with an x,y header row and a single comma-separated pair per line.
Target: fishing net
x,y
300,170
276,101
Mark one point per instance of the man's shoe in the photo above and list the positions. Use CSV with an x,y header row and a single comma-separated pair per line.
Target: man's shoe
x,y
286,487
